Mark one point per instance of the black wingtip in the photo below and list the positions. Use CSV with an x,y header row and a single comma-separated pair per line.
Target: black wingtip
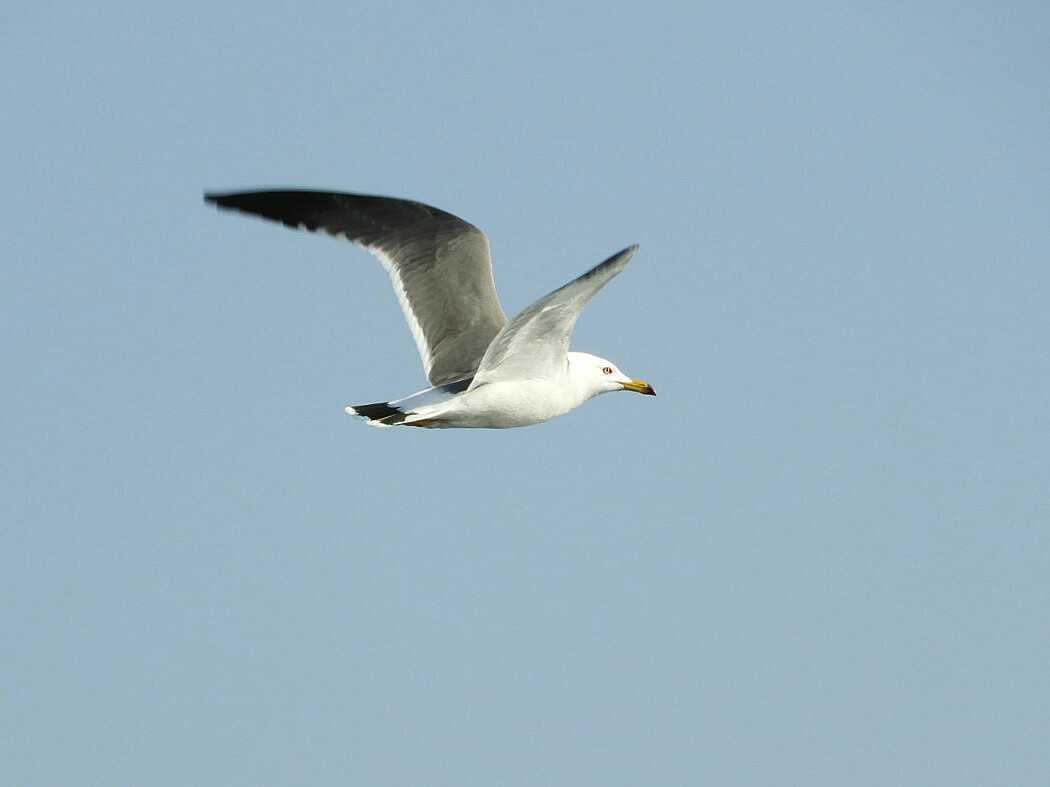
x,y
219,200
225,200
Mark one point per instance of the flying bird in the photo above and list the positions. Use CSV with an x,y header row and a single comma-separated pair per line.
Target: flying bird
x,y
485,371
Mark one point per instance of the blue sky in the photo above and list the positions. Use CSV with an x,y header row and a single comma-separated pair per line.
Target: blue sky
x,y
819,556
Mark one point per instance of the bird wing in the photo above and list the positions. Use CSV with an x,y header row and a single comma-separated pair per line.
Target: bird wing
x,y
534,344
440,265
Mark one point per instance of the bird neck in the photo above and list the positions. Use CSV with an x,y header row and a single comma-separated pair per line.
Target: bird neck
x,y
581,380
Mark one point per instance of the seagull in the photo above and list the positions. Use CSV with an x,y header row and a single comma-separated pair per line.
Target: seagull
x,y
484,371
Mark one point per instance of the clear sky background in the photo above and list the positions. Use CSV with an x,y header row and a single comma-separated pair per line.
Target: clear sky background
x,y
820,556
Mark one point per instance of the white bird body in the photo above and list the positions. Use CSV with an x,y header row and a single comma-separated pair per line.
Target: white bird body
x,y
500,406
486,371
523,402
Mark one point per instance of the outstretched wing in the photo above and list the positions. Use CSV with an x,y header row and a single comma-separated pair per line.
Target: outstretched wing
x,y
439,265
535,343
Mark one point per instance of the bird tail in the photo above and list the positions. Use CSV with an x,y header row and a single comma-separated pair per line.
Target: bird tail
x,y
410,410
378,414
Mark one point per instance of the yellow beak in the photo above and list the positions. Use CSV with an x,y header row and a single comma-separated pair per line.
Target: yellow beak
x,y
639,386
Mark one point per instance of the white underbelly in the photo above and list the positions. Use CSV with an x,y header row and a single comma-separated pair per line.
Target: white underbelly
x,y
510,404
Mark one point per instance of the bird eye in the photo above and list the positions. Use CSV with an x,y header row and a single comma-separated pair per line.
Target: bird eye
x,y
607,370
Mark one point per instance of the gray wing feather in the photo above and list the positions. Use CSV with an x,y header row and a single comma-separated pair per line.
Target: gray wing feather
x,y
439,265
535,343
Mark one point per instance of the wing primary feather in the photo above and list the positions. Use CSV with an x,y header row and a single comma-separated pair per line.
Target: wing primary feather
x,y
439,265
